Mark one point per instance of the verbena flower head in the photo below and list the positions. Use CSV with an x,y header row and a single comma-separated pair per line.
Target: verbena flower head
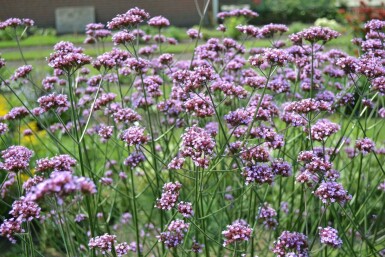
x,y
134,136
199,105
132,17
198,145
314,34
3,128
330,192
323,129
10,227
365,145
23,210
103,243
194,33
123,37
61,184
112,59
22,72
174,234
329,236
375,25
54,101
272,56
62,162
185,208
169,196
267,215
159,21
237,232
271,29
15,22
67,57
258,173
291,244
237,13
16,158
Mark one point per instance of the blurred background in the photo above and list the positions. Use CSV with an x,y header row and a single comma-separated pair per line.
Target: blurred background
x,y
67,15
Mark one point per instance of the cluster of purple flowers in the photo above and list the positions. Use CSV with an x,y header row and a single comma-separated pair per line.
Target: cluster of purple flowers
x,y
236,13
198,145
22,72
330,192
134,136
169,196
61,184
238,231
291,244
132,17
174,234
329,236
267,215
15,22
16,158
62,162
53,101
67,57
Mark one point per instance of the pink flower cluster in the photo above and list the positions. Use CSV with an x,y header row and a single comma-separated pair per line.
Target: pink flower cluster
x,y
198,145
61,184
169,196
16,158
291,244
174,234
329,236
238,231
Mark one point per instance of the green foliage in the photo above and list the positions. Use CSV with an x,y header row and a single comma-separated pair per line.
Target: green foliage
x,y
231,24
286,11
297,27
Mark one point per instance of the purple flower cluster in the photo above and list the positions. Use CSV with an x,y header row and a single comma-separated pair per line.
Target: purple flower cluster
x,y
67,57
134,136
238,231
10,227
132,17
16,113
104,243
174,234
159,21
126,115
329,236
22,72
267,215
16,158
199,105
96,32
123,37
62,162
236,13
169,196
314,34
194,34
61,184
185,209
365,145
291,244
198,145
323,129
15,22
53,101
331,192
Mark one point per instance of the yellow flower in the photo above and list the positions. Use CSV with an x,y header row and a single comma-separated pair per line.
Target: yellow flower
x,y
24,176
33,138
3,106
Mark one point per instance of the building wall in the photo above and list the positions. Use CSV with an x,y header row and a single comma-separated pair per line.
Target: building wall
x,y
179,12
